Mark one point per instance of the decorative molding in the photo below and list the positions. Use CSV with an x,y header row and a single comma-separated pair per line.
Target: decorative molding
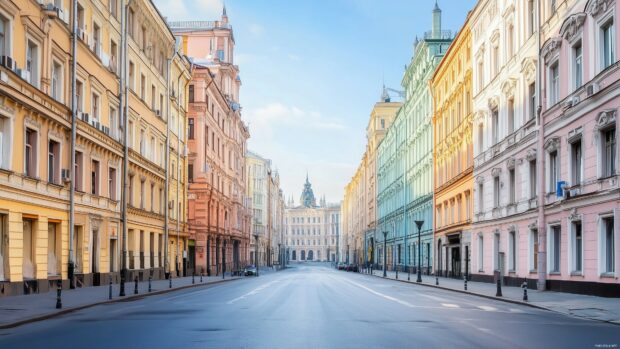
x,y
531,154
31,121
551,48
493,102
605,118
512,228
528,68
510,163
533,225
573,26
597,7
496,171
573,217
508,86
574,134
552,144
479,179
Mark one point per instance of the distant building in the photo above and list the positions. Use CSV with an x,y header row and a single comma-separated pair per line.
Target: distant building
x,y
312,230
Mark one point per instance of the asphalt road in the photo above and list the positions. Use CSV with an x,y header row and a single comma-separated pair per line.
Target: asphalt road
x,y
310,306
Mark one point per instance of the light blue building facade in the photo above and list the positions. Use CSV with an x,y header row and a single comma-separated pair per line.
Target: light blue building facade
x,y
405,163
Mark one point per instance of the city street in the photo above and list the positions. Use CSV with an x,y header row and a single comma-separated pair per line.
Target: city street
x,y
313,306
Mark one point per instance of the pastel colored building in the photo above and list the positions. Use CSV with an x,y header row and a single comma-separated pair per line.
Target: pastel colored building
x,y
359,215
581,189
453,157
405,161
312,230
219,216
61,202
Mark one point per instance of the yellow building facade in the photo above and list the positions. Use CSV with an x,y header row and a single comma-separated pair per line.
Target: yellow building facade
x,y
453,157
36,142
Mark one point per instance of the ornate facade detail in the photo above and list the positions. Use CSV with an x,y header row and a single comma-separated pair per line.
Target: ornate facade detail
x,y
510,163
531,154
574,134
574,217
528,68
533,225
551,48
552,144
508,86
596,7
572,26
496,171
605,118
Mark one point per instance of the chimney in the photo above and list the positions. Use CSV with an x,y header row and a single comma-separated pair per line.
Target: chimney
x,y
436,34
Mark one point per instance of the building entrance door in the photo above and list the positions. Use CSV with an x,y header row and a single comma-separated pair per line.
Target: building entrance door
x,y
456,261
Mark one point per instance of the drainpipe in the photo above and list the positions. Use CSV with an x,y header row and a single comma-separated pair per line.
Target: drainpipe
x,y
540,163
167,171
71,266
123,109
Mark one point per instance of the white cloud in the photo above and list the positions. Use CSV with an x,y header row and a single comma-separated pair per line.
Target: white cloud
x,y
275,115
190,9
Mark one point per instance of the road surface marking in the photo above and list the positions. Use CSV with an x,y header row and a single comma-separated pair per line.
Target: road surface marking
x,y
487,308
513,310
253,292
439,299
383,295
449,305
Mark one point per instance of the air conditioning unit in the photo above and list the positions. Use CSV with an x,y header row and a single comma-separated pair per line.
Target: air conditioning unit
x,y
105,59
7,62
570,102
83,116
106,130
592,89
63,14
65,174
83,35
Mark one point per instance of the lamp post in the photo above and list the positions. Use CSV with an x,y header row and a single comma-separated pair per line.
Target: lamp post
x,y
385,253
419,224
256,253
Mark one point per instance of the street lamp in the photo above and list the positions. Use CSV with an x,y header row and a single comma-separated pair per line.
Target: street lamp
x,y
384,253
256,253
419,224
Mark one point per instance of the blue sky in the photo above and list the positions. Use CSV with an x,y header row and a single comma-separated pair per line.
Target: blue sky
x,y
312,70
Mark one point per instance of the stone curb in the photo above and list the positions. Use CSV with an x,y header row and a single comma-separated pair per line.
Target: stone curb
x,y
501,299
129,298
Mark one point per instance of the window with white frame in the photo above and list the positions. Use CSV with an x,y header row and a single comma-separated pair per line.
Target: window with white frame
x,y
607,245
533,181
5,31
576,247
79,93
553,171
510,40
94,177
577,65
495,59
53,162
95,106
32,63
531,91
112,188
531,17
78,167
512,187
533,250
512,248
495,125
496,253
57,83
554,248
496,192
511,115
30,158
480,76
142,142
576,161
554,83
132,76
609,151
607,37
5,142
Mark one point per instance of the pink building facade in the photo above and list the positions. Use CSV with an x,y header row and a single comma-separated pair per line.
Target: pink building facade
x,y
547,192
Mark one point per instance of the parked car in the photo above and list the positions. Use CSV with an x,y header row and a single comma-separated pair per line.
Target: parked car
x,y
342,266
352,267
249,270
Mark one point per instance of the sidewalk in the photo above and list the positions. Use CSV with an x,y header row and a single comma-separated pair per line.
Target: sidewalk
x,y
18,310
583,306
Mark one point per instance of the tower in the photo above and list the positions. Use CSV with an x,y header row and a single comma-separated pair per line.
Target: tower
x,y
436,33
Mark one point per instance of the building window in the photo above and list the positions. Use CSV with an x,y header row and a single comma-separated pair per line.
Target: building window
x,y
496,192
577,248
94,177
607,44
95,106
553,171
32,63
31,153
53,162
511,115
608,245
531,17
512,247
143,38
143,87
577,65
495,125
112,183
609,152
554,249
480,76
96,40
5,142
533,180
480,253
190,129
510,40
532,100
153,97
152,193
480,139
481,198
56,81
190,173
130,22
113,8
495,59
512,186
132,76
79,92
5,27
78,167
577,162
130,201
191,93
534,250
554,83
142,142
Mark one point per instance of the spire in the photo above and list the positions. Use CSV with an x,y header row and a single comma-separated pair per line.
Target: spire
x,y
224,10
435,9
224,15
436,32
385,97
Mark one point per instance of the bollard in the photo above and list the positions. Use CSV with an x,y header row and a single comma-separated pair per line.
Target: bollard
x,y
524,291
150,278
396,273
409,274
436,280
58,295
499,288
110,295
170,282
193,281
465,283
200,277
135,288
